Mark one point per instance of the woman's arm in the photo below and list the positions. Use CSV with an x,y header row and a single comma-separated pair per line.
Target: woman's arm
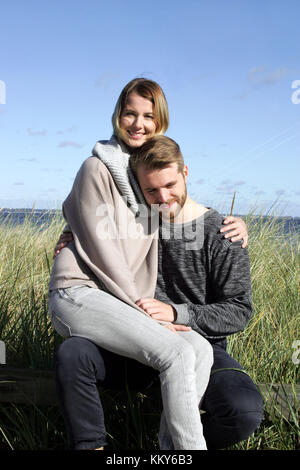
x,y
235,229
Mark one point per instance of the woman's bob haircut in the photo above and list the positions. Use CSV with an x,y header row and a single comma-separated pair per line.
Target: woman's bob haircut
x,y
151,91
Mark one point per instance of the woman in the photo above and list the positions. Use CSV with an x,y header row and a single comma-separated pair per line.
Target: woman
x,y
98,278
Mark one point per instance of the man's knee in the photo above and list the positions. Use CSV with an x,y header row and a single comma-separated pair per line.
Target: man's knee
x,y
233,393
244,413
234,407
244,408
74,354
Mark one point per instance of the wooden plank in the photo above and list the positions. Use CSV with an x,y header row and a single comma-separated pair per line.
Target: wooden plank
x,y
281,400
27,386
38,387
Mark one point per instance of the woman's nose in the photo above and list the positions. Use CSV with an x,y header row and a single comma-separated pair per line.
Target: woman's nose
x,y
138,122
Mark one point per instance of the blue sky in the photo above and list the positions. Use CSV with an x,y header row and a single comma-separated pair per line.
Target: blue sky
x,y
226,66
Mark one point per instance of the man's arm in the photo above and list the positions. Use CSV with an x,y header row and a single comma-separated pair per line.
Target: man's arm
x,y
230,307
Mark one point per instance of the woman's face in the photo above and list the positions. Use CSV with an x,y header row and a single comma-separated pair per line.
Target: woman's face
x,y
137,120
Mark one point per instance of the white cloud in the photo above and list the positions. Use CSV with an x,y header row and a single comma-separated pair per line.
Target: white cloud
x,y
69,143
259,77
66,131
34,133
280,192
105,80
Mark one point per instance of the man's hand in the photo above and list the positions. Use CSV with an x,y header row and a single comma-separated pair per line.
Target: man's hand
x,y
236,228
64,240
162,312
156,309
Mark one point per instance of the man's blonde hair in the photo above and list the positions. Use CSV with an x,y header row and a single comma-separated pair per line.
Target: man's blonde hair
x,y
158,152
151,91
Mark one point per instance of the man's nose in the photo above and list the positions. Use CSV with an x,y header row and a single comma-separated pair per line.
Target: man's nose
x,y
163,196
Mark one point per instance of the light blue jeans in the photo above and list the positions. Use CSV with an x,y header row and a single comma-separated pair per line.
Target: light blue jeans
x,y
183,359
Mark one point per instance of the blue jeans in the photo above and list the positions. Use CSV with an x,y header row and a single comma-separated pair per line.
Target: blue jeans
x,y
183,360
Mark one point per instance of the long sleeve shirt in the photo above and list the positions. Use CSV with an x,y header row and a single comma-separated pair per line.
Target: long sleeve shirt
x,y
205,277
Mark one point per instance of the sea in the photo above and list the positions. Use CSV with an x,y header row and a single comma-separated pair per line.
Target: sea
x,y
42,218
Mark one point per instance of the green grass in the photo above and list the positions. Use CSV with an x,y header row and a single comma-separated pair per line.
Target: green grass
x,y
264,347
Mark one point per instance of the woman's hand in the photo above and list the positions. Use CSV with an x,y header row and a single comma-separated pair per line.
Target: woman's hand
x,y
176,328
237,230
64,239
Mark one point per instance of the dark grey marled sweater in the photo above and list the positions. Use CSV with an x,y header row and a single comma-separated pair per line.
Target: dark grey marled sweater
x,y
206,279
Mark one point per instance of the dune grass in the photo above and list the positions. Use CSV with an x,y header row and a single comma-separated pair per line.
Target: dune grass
x,y
265,347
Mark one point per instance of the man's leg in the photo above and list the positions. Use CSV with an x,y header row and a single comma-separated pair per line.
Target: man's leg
x,y
79,366
115,326
232,403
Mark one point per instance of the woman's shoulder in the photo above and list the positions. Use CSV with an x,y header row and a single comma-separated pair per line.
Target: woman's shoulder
x,y
92,162
93,165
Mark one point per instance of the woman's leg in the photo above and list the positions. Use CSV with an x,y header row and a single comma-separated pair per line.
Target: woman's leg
x,y
117,327
204,360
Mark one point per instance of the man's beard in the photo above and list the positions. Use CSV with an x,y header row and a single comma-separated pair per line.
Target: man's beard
x,y
170,216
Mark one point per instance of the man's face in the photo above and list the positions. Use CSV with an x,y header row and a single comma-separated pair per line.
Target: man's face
x,y
165,187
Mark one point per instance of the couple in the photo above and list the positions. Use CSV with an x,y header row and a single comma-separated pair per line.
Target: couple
x,y
157,306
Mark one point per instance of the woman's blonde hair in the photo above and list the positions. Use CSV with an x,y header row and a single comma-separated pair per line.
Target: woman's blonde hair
x,y
151,91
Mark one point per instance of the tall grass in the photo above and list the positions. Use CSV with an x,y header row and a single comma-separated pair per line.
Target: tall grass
x,y
264,347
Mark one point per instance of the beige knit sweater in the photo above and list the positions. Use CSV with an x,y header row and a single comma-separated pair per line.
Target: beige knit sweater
x,y
112,249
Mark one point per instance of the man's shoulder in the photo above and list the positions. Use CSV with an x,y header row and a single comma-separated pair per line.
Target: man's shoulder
x,y
212,222
213,217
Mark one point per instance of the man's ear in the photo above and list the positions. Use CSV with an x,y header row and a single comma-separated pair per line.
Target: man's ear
x,y
185,171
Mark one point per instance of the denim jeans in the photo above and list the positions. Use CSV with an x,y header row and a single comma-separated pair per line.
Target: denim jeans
x,y
232,403
183,359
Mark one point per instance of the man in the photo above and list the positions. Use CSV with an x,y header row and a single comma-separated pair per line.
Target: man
x,y
203,282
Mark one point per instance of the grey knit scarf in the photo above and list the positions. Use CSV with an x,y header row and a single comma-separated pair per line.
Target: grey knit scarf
x,y
115,156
